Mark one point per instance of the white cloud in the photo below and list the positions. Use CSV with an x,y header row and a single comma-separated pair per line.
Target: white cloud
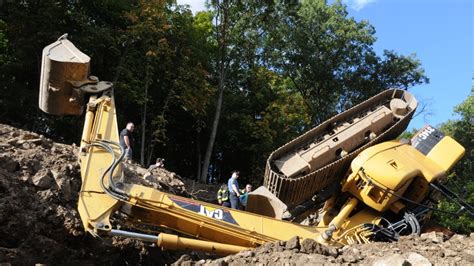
x,y
358,4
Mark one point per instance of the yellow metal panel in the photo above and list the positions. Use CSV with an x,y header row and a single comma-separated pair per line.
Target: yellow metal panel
x,y
364,216
212,222
388,168
446,153
174,242
93,202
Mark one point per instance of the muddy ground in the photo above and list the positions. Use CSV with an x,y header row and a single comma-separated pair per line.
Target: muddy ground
x,y
39,223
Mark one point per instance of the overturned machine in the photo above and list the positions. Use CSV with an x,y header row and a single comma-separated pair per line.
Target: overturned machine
x,y
369,186
305,166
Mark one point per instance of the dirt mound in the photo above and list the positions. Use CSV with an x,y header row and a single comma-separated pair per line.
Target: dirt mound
x,y
39,185
39,223
427,249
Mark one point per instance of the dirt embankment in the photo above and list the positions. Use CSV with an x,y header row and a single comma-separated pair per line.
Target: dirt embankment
x,y
39,223
428,249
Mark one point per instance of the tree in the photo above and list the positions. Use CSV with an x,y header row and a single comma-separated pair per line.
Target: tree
x,y
4,61
163,73
330,59
30,26
204,96
258,119
460,178
224,18
324,59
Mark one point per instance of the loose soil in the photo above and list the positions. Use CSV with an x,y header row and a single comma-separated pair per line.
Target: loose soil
x,y
39,223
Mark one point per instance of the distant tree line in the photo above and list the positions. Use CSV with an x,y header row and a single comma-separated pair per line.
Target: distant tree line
x,y
210,92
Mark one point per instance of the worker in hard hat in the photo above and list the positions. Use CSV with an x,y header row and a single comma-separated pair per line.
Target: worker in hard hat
x,y
223,196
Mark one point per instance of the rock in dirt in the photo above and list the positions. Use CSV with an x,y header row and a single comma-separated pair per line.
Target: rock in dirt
x,y
310,246
293,243
416,259
43,179
435,237
392,260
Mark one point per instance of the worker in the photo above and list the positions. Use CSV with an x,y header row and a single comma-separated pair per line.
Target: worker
x,y
245,195
234,192
223,196
160,163
127,140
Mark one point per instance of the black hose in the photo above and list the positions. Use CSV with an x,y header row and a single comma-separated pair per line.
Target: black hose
x,y
112,191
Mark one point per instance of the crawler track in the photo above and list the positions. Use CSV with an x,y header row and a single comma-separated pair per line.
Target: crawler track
x,y
299,169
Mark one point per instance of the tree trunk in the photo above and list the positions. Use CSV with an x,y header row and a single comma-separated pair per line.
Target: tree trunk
x,y
199,157
222,28
143,138
150,154
212,138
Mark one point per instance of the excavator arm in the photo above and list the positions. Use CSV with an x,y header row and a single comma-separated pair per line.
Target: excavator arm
x,y
103,192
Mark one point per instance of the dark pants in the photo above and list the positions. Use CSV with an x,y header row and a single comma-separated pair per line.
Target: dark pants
x,y
234,201
225,204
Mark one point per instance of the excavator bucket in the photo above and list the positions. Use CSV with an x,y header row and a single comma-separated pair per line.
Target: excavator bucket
x,y
62,66
262,201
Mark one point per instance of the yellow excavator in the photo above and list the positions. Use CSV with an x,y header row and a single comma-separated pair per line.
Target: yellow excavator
x,y
346,177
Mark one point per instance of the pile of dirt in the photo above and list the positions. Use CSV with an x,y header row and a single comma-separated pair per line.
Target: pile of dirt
x,y
158,178
428,249
39,223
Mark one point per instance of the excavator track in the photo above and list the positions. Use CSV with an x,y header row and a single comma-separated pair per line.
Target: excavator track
x,y
299,169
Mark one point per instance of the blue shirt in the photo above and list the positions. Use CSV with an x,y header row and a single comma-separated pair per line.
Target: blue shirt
x,y
229,184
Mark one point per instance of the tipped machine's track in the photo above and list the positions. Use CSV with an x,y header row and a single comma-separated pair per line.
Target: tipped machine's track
x,y
302,167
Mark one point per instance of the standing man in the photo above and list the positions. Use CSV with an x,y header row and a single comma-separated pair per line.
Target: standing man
x,y
127,141
234,192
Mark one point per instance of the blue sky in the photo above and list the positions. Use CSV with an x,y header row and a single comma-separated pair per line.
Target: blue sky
x,y
438,32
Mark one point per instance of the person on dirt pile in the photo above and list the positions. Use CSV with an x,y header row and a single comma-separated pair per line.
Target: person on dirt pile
x,y
234,192
244,195
223,196
160,163
127,140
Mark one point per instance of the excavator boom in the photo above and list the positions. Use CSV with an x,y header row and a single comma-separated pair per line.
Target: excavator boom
x,y
102,193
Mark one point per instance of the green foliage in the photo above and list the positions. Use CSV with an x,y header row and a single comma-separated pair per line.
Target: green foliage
x,y
288,66
408,134
330,60
258,120
162,68
4,56
460,179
